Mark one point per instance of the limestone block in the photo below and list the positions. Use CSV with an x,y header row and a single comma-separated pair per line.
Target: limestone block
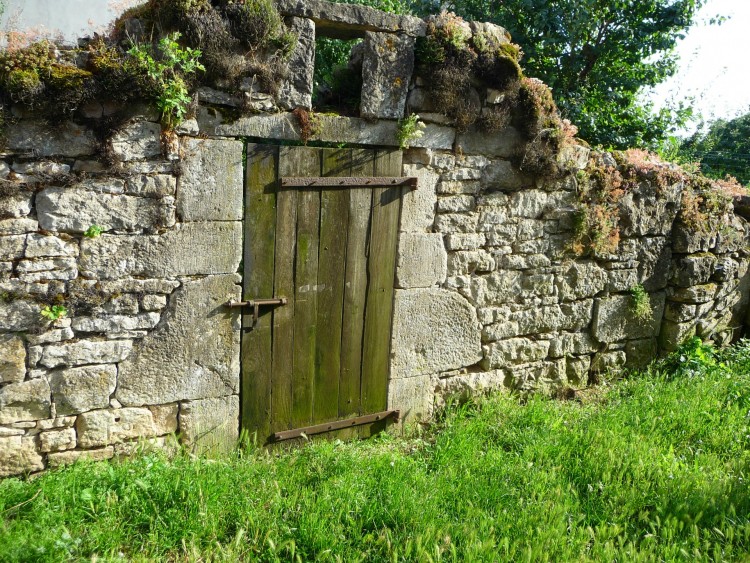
x,y
210,426
137,140
15,205
614,320
128,305
567,343
59,459
190,249
297,88
18,315
449,223
56,423
157,185
577,369
693,270
605,362
76,209
648,210
514,351
703,293
104,427
18,454
47,167
78,390
574,157
386,71
38,246
418,206
434,330
654,257
116,323
210,187
165,418
687,241
12,359
65,139
454,187
422,260
499,331
582,279
85,352
465,241
502,175
456,204
528,203
622,280
28,400
412,396
502,144
18,226
463,386
680,312
461,174
192,354
470,262
153,302
138,286
640,353
57,440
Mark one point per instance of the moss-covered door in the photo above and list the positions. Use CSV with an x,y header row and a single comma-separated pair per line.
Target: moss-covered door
x,y
324,356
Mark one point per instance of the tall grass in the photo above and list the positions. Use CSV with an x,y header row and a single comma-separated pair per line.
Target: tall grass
x,y
654,470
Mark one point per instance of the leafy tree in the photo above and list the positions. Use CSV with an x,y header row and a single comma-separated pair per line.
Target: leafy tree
x,y
597,56
722,148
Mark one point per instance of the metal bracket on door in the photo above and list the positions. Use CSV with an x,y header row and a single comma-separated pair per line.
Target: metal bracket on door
x,y
256,304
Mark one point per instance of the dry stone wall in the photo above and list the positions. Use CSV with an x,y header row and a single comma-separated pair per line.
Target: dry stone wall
x,y
140,238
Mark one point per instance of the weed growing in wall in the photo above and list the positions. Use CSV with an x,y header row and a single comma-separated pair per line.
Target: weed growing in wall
x,y
54,312
409,130
641,303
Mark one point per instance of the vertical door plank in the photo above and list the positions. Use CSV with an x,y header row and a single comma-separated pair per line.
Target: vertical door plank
x,y
258,272
307,162
283,316
381,268
355,286
334,219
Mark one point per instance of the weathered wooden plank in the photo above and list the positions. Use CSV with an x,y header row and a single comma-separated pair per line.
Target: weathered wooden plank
x,y
305,290
355,286
381,266
334,219
260,228
283,317
347,182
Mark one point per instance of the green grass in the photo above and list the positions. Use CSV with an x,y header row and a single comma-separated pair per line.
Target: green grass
x,y
654,469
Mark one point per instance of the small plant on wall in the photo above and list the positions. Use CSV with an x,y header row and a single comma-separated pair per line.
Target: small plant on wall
x,y
54,312
641,304
410,129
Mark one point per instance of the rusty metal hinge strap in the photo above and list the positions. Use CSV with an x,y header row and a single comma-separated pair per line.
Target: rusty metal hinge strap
x,y
336,425
347,182
256,304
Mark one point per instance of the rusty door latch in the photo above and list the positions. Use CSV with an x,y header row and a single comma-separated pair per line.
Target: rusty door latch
x,y
256,304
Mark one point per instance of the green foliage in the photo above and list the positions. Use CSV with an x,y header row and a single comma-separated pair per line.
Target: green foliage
x,y
641,303
93,231
168,67
654,470
54,312
409,130
597,57
722,148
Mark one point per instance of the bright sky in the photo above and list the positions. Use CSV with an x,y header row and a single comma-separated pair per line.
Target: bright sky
x,y
714,67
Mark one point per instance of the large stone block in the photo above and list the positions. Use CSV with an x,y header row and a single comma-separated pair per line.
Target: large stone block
x,y
77,390
413,396
57,440
582,279
116,323
188,250
104,427
76,209
418,206
614,319
513,352
59,459
640,353
65,139
502,144
422,260
386,71
210,187
502,175
192,354
434,330
137,140
39,246
693,270
19,454
85,352
648,210
15,205
295,91
25,401
210,426
654,258
18,226
18,315
12,359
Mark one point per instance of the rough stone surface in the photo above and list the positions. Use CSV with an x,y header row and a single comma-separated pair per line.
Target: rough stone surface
x,y
165,418
104,427
614,319
192,354
210,187
18,454
418,206
66,139
296,90
85,352
412,396
422,260
57,440
433,330
28,400
66,458
15,205
191,249
502,144
386,71
582,279
19,315
18,226
12,359
210,426
78,390
137,140
77,209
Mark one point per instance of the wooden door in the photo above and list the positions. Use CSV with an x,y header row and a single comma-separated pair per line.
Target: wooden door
x,y
331,252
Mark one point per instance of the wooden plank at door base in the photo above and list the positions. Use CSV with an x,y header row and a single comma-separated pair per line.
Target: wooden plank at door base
x,y
336,425
260,228
381,267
